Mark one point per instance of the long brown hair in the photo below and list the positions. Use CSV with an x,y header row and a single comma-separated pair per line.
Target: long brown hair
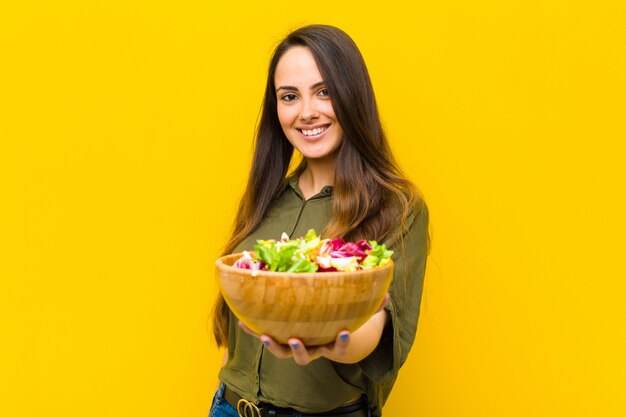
x,y
370,193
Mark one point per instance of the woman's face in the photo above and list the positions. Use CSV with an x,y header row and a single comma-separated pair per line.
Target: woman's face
x,y
304,107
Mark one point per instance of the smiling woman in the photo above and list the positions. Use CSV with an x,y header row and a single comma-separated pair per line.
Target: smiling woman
x,y
304,108
319,101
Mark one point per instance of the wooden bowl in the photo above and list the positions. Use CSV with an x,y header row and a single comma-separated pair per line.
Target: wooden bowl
x,y
313,307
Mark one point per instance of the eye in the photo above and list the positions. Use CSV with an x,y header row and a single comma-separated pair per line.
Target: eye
x,y
323,92
288,97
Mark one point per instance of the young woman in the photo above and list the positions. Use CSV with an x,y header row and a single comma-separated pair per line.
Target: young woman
x,y
319,100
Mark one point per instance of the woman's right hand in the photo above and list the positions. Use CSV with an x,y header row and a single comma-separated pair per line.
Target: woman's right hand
x,y
347,347
296,349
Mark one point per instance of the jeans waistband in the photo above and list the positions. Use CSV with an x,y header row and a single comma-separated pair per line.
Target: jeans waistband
x,y
246,409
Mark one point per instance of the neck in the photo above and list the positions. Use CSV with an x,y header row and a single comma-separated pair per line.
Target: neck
x,y
317,175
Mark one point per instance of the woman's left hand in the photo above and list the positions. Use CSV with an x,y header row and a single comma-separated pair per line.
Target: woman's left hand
x,y
302,354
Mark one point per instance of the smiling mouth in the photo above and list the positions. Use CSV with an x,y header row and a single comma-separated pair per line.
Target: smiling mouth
x,y
314,132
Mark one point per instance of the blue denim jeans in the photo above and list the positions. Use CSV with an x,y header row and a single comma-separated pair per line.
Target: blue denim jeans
x,y
219,406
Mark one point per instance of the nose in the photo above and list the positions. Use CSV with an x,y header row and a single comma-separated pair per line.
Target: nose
x,y
308,110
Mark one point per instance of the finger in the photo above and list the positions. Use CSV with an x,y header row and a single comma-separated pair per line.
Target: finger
x,y
341,343
299,352
336,348
277,349
274,347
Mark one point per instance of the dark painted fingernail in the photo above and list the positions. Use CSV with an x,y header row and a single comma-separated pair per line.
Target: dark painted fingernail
x,y
295,346
344,337
266,342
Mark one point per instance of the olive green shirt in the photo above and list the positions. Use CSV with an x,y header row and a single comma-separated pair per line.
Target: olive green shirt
x,y
257,375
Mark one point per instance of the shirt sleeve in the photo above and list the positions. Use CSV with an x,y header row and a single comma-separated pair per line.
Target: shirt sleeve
x,y
410,253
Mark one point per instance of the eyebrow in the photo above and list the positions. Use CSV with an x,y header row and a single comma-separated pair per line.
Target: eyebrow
x,y
292,88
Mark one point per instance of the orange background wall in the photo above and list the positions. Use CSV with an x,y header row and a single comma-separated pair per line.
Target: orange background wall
x,y
125,137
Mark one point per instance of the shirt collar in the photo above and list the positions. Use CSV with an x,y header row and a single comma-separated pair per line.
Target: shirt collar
x,y
326,191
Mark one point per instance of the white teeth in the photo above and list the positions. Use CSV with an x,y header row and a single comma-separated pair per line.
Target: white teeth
x,y
314,131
